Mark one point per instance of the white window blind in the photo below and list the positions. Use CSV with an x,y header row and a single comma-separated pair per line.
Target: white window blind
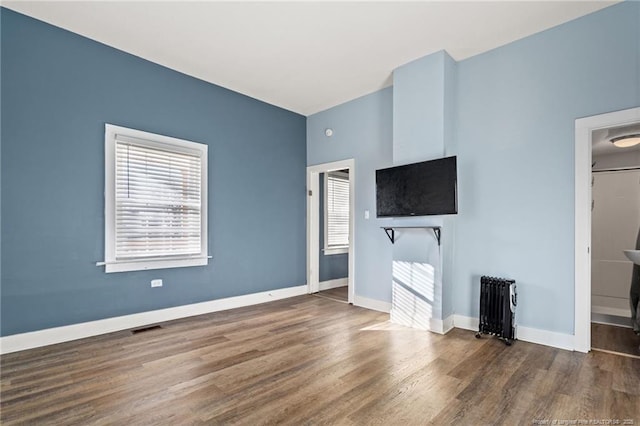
x,y
337,210
157,202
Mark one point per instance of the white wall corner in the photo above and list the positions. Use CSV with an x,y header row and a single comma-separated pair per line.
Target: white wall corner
x,y
373,304
329,284
447,324
50,336
526,334
436,326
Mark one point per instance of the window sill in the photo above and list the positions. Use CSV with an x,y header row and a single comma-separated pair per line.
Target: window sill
x,y
145,265
335,250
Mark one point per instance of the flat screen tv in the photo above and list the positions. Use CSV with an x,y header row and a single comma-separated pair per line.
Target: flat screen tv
x,y
418,189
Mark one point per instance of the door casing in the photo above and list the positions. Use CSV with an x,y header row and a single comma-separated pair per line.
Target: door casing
x,y
313,223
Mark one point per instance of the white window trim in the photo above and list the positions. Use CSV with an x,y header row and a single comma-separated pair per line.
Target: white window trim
x,y
328,251
155,140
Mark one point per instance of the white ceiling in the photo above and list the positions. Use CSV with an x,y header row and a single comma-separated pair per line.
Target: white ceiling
x,y
302,56
601,145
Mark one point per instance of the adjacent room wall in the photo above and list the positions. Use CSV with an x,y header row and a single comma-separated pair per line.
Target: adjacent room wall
x,y
617,160
58,91
615,223
332,266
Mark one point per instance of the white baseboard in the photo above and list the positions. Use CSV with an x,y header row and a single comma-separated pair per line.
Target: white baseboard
x,y
447,324
50,336
373,304
605,310
527,334
428,324
547,338
338,282
465,323
442,326
436,326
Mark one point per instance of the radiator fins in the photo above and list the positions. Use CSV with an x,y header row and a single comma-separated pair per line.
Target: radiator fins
x,y
498,300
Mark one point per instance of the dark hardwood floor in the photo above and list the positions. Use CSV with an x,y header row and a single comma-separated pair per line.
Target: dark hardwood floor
x,y
309,360
616,339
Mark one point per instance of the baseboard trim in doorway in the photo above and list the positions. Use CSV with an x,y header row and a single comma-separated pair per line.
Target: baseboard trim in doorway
x,y
51,336
616,353
329,284
611,319
604,310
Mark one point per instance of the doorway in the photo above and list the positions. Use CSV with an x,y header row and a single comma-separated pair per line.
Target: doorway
x,y
615,220
330,174
585,128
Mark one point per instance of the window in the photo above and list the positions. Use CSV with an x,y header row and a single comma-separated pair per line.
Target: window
x,y
336,217
155,201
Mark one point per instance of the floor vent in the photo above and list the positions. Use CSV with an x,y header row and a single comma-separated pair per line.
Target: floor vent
x,y
143,329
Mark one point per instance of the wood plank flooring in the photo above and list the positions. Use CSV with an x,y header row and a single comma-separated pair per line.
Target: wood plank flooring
x,y
309,360
616,339
340,294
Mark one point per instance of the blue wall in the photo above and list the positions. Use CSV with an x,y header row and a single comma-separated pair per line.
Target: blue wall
x,y
58,90
513,132
362,130
516,112
332,266
423,123
418,109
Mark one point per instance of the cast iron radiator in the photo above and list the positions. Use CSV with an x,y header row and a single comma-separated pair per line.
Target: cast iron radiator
x,y
498,299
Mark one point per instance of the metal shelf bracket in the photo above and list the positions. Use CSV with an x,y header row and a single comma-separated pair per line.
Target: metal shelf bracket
x,y
391,231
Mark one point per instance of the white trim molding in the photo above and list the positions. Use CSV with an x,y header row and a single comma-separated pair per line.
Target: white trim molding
x,y
526,334
373,304
447,324
441,326
584,128
329,284
313,223
465,323
166,148
51,336
605,310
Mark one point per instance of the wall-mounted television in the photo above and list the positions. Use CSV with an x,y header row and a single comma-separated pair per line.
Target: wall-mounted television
x,y
418,189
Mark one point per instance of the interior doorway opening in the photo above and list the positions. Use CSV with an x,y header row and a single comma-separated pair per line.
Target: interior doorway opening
x,y
585,129
330,229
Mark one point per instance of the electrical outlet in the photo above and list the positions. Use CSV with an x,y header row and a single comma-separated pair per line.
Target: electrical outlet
x,y
156,283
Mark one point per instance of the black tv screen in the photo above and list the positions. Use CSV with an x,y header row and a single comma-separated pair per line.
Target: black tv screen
x,y
418,189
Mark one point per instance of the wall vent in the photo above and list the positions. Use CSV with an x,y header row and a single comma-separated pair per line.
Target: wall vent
x,y
143,329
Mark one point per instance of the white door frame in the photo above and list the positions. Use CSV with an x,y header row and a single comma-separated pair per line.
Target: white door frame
x,y
582,284
313,223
